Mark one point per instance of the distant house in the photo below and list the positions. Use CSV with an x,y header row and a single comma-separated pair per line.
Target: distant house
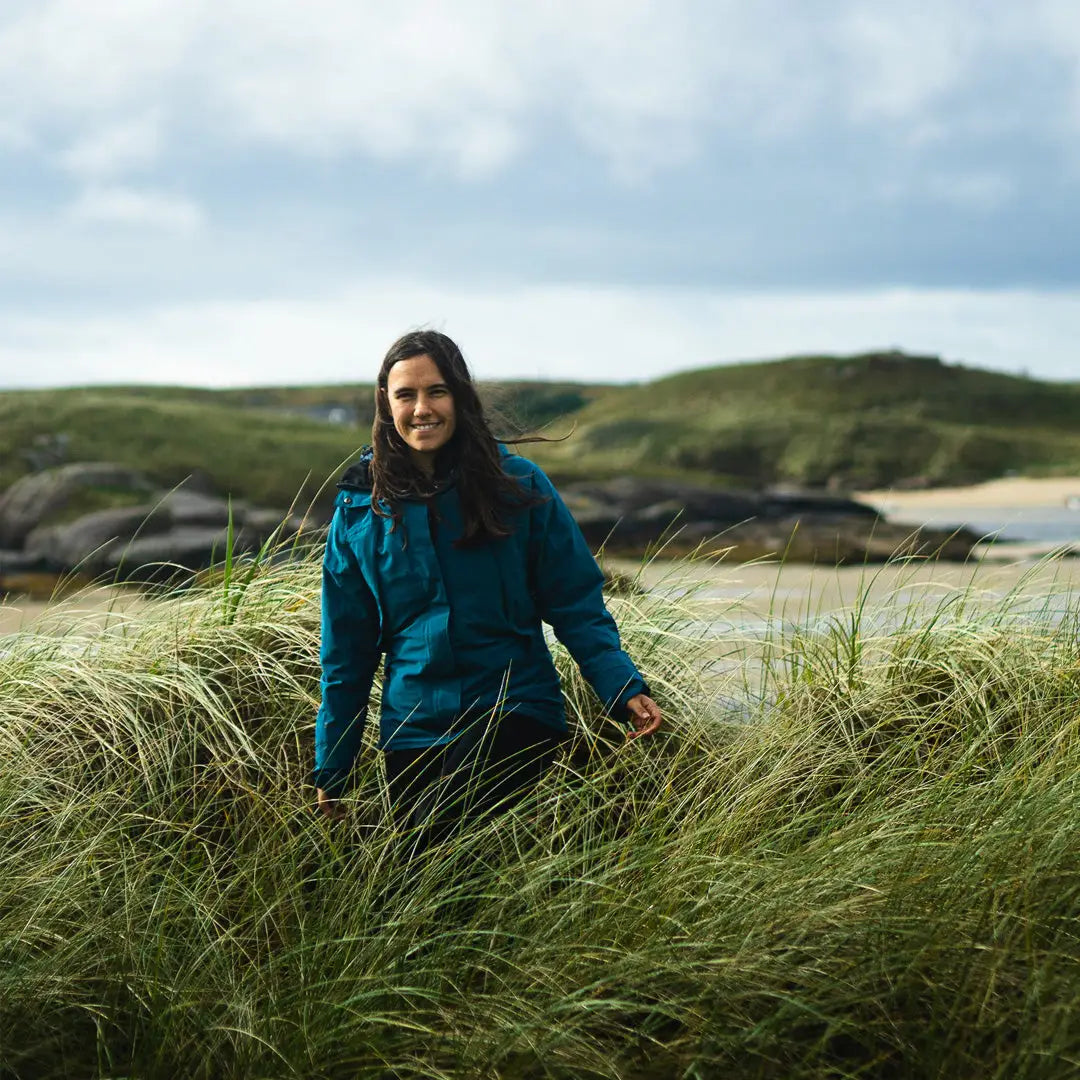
x,y
330,413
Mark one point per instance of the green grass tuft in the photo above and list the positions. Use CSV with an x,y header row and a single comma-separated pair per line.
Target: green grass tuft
x,y
851,854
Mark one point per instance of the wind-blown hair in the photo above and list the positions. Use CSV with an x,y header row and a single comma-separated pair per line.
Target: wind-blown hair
x,y
471,457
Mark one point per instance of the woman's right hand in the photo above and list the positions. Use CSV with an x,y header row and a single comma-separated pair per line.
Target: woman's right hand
x,y
644,714
331,808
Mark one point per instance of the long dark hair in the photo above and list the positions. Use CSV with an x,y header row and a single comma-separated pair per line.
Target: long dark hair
x,y
471,457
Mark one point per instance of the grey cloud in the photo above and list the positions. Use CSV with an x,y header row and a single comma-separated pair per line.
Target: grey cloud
x,y
643,85
192,152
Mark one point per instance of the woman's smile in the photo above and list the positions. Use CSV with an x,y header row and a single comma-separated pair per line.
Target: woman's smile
x,y
422,408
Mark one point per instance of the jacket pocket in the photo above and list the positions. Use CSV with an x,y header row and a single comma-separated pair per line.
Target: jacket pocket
x,y
404,587
514,582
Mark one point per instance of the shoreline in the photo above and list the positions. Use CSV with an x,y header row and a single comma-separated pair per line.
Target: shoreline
x,y
1014,491
89,606
1011,560
796,591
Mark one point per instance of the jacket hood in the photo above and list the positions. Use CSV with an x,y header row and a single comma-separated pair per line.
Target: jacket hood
x,y
357,477
358,474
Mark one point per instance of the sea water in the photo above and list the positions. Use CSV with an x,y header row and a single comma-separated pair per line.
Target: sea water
x,y
1043,524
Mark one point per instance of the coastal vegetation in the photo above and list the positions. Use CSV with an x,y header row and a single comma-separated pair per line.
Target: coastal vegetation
x,y
271,446
847,423
852,853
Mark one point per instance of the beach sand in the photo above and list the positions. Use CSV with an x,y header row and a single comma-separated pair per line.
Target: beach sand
x,y
1017,491
798,593
795,589
90,607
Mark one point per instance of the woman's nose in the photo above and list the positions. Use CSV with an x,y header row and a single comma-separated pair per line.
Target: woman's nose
x,y
421,408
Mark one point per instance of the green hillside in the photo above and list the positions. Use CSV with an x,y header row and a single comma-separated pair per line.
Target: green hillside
x,y
262,444
849,422
241,451
845,422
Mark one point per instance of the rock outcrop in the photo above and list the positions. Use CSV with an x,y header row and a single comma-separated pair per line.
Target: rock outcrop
x,y
628,516
87,541
39,496
190,529
41,529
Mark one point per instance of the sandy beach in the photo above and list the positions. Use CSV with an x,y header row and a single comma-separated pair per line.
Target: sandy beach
x,y
745,590
802,593
1017,516
90,607
797,590
1017,491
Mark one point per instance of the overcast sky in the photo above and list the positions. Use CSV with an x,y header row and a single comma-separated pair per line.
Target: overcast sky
x,y
230,192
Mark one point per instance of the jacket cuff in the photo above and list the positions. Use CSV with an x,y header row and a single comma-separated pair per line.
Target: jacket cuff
x,y
335,782
618,708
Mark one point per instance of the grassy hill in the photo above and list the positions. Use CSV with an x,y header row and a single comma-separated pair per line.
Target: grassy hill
x,y
242,451
263,444
845,422
850,422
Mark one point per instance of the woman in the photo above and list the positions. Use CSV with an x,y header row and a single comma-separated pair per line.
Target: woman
x,y
444,555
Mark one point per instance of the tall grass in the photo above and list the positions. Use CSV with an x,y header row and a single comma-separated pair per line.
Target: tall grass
x,y
873,873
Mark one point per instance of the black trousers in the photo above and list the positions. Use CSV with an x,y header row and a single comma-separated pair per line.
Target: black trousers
x,y
491,764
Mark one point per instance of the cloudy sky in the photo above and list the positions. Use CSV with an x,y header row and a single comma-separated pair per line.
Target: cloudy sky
x,y
251,191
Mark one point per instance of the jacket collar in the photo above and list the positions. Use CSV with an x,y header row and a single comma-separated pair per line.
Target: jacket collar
x,y
357,477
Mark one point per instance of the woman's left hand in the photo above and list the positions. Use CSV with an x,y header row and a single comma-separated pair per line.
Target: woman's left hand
x,y
645,715
331,808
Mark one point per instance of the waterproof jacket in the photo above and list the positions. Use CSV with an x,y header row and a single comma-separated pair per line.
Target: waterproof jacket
x,y
459,629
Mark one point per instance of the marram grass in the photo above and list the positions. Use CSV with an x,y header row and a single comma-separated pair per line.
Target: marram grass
x,y
874,872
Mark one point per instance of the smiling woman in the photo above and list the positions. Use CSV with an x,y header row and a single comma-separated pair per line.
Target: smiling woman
x,y
445,555
422,407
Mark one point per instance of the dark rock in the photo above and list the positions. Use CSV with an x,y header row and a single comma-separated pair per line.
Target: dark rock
x,y
194,508
87,542
263,523
188,530
199,482
34,498
183,547
17,562
184,528
630,516
194,547
841,541
626,495
788,504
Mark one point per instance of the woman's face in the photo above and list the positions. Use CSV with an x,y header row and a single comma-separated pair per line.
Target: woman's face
x,y
422,408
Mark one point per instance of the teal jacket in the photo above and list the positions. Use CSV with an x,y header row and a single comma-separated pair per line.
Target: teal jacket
x,y
459,629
